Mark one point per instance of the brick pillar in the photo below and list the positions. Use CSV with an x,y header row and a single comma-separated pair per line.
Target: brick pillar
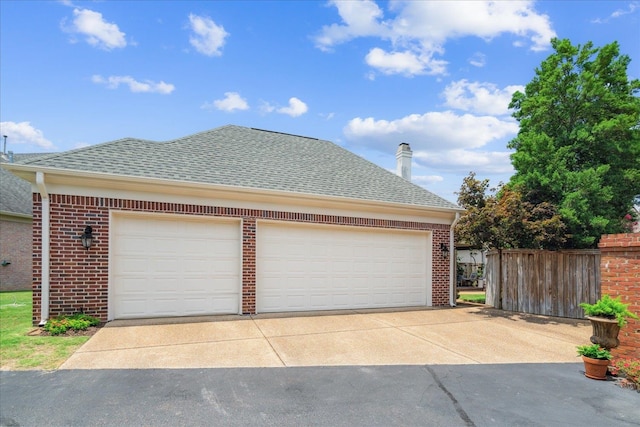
x,y
620,276
249,265
441,269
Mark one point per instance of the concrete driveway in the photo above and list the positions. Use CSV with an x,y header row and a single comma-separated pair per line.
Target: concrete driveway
x,y
451,336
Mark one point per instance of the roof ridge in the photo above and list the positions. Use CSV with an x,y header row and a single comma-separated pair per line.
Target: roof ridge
x,y
284,133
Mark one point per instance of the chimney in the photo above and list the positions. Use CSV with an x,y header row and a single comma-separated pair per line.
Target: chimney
x,y
403,158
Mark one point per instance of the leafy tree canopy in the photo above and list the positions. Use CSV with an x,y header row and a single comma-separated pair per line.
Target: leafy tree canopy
x,y
578,147
501,218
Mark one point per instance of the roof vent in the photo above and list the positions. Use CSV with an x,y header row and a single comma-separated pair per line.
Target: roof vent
x,y
403,158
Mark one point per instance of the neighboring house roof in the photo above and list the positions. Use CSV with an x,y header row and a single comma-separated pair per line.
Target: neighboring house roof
x,y
246,157
15,193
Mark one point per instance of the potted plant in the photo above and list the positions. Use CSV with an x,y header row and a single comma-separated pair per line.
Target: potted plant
x,y
596,361
607,316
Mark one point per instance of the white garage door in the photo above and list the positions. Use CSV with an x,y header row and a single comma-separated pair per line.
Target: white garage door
x,y
165,266
318,267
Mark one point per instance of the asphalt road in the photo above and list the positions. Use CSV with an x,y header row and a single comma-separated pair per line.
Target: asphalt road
x,y
436,395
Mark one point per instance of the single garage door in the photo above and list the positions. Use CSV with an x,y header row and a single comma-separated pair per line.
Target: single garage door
x,y
319,267
164,266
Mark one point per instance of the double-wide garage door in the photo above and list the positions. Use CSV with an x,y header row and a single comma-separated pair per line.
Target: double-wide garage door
x,y
323,267
174,266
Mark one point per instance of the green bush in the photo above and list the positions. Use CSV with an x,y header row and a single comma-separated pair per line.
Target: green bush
x,y
77,322
612,308
594,351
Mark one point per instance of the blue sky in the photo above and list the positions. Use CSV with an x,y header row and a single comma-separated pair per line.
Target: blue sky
x,y
366,75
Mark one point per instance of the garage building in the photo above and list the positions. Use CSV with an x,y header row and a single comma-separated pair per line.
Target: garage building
x,y
233,220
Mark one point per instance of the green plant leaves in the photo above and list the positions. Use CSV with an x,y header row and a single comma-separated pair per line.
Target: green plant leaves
x,y
77,322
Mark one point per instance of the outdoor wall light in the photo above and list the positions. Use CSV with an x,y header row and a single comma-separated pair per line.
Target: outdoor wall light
x,y
87,237
445,250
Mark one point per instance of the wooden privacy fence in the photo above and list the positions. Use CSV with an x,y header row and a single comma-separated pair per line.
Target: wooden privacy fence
x,y
551,283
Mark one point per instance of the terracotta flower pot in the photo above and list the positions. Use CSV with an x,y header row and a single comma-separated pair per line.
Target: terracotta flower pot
x,y
605,332
595,368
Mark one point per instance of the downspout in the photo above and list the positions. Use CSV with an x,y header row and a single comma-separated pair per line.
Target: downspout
x,y
45,230
452,263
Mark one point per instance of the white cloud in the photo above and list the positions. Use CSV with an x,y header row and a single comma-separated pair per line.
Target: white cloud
x,y
327,116
232,101
632,7
463,160
147,86
407,62
419,30
360,20
621,12
483,98
208,37
478,60
425,180
97,31
296,108
266,107
23,133
433,131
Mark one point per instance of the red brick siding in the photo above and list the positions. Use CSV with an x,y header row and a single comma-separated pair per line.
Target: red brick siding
x,y
620,273
79,278
249,265
37,257
15,247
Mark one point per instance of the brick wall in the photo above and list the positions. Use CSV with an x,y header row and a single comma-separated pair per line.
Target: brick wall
x,y
15,248
79,278
620,276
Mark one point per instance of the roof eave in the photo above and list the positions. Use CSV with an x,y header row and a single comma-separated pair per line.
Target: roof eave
x,y
28,172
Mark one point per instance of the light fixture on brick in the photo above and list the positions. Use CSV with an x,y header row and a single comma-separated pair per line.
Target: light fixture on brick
x,y
445,250
87,237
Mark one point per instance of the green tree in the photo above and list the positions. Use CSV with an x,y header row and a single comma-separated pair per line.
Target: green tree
x,y
501,218
578,147
475,225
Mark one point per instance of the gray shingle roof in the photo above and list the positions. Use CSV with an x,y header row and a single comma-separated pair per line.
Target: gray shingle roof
x,y
246,157
15,193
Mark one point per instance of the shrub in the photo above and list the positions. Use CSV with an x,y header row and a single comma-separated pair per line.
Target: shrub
x,y
594,351
612,308
77,322
630,370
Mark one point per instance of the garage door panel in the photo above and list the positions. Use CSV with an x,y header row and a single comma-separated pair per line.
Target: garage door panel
x,y
164,245
162,285
361,299
163,265
224,285
136,306
182,268
196,304
343,267
133,265
165,307
133,244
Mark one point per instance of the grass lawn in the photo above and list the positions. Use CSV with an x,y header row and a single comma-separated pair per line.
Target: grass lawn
x,y
18,350
473,297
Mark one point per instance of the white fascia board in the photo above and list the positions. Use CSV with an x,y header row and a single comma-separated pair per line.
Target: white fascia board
x,y
63,181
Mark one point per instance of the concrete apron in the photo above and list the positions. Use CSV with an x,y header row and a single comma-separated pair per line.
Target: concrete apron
x,y
417,336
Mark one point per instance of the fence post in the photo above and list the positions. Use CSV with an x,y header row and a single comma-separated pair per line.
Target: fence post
x,y
500,289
